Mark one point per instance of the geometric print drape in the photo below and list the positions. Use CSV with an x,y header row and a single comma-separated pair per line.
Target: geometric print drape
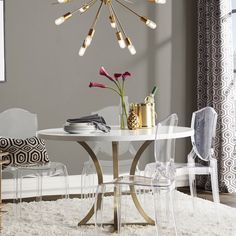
x,y
215,85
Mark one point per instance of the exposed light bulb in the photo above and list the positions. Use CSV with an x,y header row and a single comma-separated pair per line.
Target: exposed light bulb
x,y
148,22
82,49
84,8
62,19
120,40
160,1
63,1
132,49
130,46
151,24
89,37
121,43
113,25
112,21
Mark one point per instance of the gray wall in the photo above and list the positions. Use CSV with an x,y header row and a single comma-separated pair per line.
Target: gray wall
x,y
46,76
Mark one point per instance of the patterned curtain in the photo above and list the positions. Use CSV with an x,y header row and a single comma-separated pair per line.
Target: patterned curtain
x,y
216,84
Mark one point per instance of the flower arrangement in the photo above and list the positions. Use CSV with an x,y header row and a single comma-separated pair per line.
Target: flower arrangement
x,y
118,87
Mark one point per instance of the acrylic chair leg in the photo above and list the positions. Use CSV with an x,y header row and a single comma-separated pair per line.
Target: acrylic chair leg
x,y
215,191
192,178
160,213
16,186
160,210
39,186
167,205
16,192
214,181
193,187
20,177
98,208
66,179
172,211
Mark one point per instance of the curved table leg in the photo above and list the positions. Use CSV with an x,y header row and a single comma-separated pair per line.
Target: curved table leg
x,y
132,190
99,175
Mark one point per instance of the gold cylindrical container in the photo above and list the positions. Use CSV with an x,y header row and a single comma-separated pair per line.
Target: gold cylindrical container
x,y
146,114
153,115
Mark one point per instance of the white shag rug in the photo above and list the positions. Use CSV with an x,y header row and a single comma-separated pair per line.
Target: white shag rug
x,y
60,218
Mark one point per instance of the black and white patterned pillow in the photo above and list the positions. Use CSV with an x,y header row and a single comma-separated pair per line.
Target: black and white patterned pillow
x,y
24,151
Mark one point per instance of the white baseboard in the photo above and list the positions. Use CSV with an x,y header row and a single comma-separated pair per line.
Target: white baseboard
x,y
54,186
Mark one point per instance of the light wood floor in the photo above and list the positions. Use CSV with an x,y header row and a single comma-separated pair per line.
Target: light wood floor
x,y
228,199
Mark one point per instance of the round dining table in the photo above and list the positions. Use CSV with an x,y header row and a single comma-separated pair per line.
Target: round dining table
x,y
116,135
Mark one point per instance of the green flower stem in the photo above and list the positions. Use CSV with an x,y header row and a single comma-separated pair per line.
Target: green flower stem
x,y
118,82
123,104
114,90
123,85
121,92
118,85
123,95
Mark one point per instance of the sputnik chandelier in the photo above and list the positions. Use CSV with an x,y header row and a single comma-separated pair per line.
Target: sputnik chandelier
x,y
123,39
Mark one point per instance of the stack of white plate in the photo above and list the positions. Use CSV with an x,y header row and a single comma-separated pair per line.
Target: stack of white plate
x,y
79,128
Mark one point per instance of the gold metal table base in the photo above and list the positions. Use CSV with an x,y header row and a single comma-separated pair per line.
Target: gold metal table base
x,y
132,190
99,175
115,145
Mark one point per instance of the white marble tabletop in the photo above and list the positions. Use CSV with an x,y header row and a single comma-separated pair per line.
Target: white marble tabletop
x,y
116,134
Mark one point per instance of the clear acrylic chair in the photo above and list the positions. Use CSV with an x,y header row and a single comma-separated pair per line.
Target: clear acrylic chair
x,y
162,182
204,124
104,152
21,124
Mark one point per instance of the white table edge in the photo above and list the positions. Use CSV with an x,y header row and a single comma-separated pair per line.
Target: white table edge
x,y
58,134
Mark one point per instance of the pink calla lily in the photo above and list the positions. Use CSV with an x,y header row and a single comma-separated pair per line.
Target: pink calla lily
x,y
118,87
97,85
103,72
125,75
117,75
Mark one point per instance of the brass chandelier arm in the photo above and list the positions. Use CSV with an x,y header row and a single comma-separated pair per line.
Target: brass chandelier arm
x,y
146,21
117,20
119,35
129,9
97,15
115,17
86,6
127,42
68,15
112,17
91,32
